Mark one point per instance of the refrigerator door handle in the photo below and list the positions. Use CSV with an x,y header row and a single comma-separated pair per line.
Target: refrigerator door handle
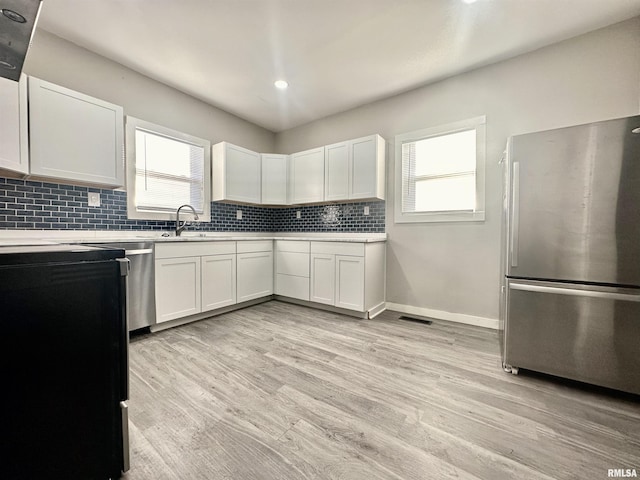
x,y
124,410
627,297
515,214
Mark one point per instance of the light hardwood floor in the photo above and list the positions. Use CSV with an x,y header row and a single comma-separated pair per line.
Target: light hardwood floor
x,y
279,391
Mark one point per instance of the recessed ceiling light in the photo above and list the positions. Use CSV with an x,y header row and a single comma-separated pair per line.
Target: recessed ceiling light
x,y
469,1
281,84
636,130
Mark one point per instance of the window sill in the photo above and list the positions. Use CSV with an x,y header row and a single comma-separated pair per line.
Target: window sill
x,y
439,217
167,216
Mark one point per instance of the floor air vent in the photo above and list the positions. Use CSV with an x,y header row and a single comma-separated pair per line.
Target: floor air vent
x,y
423,320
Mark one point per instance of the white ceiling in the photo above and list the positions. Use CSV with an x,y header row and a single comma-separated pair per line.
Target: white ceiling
x,y
336,54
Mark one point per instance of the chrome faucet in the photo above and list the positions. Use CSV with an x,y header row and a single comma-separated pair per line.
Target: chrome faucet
x,y
180,228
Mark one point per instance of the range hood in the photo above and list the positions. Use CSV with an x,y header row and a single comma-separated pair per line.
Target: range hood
x,y
17,23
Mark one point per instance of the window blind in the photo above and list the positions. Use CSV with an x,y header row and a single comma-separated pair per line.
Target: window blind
x,y
169,173
439,173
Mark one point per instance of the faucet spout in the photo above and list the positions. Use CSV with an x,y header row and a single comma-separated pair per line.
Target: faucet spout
x,y
180,228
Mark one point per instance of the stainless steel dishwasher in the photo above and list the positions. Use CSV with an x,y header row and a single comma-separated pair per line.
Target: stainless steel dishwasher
x,y
141,299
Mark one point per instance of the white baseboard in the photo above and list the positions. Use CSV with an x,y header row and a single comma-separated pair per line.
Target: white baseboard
x,y
377,310
442,315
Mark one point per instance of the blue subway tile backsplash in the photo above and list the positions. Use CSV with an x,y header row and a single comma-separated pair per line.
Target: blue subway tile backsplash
x,y
26,204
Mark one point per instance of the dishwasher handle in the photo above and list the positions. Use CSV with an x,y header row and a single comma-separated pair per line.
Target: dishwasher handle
x,y
140,251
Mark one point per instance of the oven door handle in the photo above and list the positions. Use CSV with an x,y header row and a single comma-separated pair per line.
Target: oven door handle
x,y
124,416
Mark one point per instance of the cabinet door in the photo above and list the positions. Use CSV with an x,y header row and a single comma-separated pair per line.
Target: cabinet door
x,y
218,281
307,176
255,275
14,152
323,278
363,168
236,173
243,174
350,282
177,288
275,175
336,171
74,136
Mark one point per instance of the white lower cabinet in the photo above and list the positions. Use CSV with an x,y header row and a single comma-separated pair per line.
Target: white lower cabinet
x,y
218,281
292,269
191,278
349,282
323,278
198,277
177,287
348,275
337,279
255,269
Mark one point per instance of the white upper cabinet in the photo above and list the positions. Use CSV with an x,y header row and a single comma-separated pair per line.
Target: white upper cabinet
x,y
350,170
235,173
74,136
307,176
275,177
355,169
336,171
14,151
367,167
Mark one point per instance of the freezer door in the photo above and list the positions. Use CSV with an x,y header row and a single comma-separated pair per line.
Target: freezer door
x,y
574,204
583,333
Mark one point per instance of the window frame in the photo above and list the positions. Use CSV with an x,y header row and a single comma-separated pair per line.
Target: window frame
x,y
133,213
477,215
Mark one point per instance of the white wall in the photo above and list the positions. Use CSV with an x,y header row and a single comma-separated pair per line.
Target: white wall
x,y
56,60
455,267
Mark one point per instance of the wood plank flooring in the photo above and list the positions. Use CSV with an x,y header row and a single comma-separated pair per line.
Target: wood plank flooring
x,y
280,391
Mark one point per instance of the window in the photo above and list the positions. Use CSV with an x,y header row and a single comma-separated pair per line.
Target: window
x,y
165,169
440,173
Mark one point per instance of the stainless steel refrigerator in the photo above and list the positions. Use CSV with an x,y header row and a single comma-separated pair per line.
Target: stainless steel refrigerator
x,y
570,297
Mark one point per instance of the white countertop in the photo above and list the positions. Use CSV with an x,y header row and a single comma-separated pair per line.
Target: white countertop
x,y
50,237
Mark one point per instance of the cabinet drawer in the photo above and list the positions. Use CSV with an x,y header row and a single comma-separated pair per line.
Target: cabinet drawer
x,y
249,246
292,246
293,263
194,249
338,248
291,286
